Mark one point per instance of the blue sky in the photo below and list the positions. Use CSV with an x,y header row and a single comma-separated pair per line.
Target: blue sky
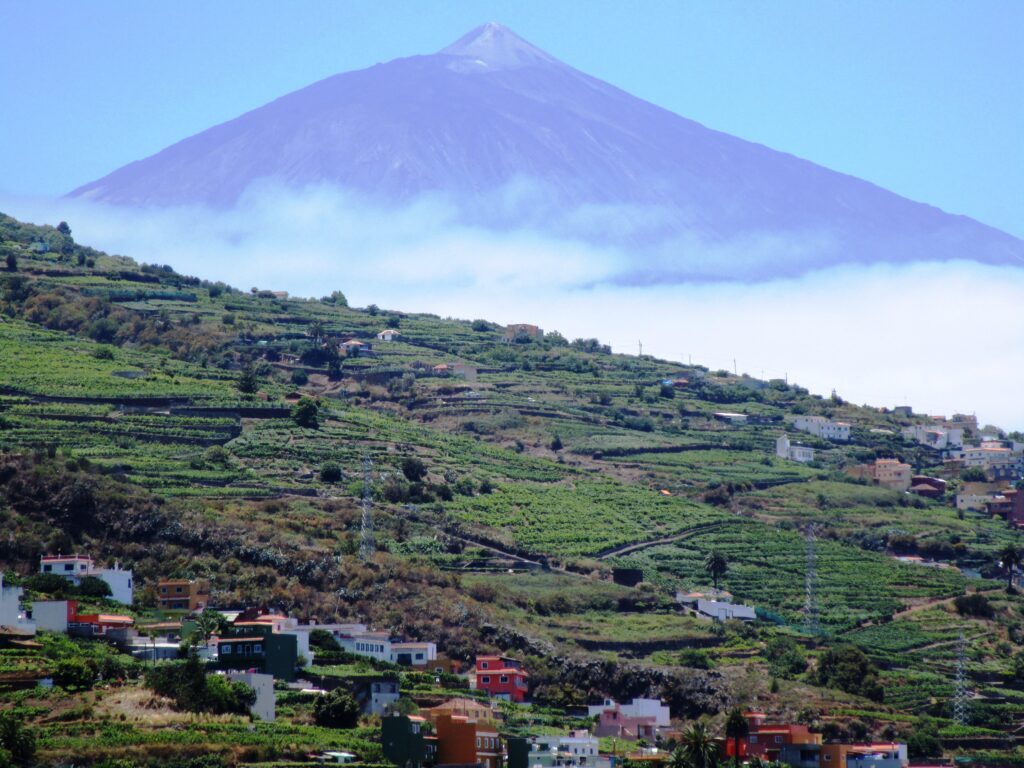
x,y
923,98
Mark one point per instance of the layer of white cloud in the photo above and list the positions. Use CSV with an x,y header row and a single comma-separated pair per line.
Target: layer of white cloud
x,y
941,337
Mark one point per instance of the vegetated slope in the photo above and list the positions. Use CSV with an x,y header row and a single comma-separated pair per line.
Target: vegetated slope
x,y
153,418
514,138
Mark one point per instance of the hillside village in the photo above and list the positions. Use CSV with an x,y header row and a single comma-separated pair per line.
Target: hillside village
x,y
256,529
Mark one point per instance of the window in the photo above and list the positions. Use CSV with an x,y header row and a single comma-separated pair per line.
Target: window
x,y
504,678
178,590
258,648
483,665
778,739
69,567
485,680
225,648
478,742
47,568
753,739
828,758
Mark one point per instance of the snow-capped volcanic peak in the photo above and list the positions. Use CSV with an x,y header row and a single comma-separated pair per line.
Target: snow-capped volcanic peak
x,y
492,46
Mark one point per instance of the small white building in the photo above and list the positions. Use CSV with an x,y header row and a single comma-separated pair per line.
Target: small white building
x,y
719,611
413,654
53,615
579,749
13,617
784,449
389,334
264,706
819,426
937,437
75,567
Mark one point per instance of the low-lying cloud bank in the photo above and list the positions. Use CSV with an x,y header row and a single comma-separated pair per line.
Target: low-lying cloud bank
x,y
941,337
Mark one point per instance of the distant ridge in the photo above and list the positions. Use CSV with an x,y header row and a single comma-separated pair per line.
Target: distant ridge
x,y
516,138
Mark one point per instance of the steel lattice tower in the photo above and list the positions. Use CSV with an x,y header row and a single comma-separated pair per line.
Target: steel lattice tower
x,y
366,543
811,585
960,693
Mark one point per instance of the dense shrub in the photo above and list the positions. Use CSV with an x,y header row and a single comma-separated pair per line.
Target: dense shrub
x,y
336,709
187,684
785,658
330,472
974,605
847,668
93,586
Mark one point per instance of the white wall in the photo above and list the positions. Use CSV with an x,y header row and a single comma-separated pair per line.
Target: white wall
x,y
51,615
264,706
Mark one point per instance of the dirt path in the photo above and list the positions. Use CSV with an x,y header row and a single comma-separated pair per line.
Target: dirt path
x,y
628,549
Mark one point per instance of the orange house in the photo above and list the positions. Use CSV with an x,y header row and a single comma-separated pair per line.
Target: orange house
x,y
462,741
183,594
766,740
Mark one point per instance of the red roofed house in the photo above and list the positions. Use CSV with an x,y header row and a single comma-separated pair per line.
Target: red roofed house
x,y
766,740
501,677
1016,515
63,616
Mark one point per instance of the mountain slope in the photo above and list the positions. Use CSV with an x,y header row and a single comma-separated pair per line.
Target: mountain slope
x,y
516,138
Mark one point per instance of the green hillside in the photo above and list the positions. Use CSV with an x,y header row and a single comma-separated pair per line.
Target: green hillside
x,y
154,418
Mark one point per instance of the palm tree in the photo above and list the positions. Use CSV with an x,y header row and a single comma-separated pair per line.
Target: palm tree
x,y
208,623
736,728
678,759
316,331
716,565
699,751
1011,558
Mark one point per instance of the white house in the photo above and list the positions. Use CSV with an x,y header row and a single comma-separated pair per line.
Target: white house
x,y
937,437
722,611
826,429
579,748
376,645
784,449
413,654
75,567
389,334
13,617
636,708
264,706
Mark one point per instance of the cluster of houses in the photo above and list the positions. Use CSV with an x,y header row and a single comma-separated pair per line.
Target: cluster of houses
x,y
257,648
468,732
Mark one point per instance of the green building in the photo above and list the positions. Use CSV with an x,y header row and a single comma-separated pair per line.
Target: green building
x,y
259,648
405,743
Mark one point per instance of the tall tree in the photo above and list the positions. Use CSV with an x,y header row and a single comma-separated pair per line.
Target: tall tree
x,y
1011,559
716,565
699,748
736,728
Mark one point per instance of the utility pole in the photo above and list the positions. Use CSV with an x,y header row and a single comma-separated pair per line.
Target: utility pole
x,y
366,543
640,346
735,368
811,585
960,692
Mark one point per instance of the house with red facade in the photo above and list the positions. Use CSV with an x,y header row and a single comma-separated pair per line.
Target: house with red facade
x,y
766,740
502,677
1015,517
